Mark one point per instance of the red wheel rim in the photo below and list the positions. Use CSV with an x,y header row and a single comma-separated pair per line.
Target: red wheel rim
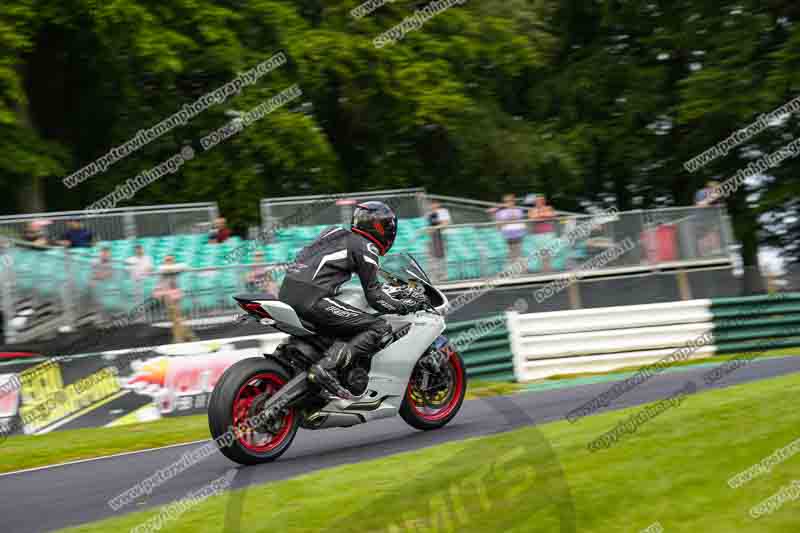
x,y
252,440
454,390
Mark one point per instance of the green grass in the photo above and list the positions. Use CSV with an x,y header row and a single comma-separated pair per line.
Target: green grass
x,y
673,470
29,451
482,388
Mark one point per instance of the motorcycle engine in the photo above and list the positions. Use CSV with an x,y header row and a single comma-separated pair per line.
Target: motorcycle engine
x,y
357,380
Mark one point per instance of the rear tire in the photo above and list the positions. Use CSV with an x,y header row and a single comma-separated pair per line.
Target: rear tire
x,y
418,413
233,394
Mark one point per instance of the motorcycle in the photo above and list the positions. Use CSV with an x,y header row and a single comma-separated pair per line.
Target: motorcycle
x,y
263,402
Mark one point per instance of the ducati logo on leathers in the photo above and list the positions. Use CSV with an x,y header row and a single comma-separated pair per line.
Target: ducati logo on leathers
x,y
338,310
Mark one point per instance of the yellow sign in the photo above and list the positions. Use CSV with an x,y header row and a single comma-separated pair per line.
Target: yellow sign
x,y
62,402
40,382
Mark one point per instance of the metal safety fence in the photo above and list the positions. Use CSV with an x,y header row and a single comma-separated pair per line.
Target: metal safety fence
x,y
331,209
662,238
76,285
114,224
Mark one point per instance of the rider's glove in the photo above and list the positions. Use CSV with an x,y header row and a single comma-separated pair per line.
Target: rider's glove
x,y
412,299
416,300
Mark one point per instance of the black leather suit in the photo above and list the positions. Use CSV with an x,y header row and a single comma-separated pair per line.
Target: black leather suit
x,y
313,280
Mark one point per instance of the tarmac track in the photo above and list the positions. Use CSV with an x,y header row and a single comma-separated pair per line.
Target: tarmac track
x,y
56,497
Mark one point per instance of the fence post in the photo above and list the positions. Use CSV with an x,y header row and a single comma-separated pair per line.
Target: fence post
x,y
138,290
574,294
422,203
266,223
129,225
683,285
512,318
68,292
643,238
6,278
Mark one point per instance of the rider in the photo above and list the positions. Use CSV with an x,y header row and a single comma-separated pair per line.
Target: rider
x,y
323,266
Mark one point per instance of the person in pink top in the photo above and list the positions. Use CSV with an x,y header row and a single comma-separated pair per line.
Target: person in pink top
x,y
512,227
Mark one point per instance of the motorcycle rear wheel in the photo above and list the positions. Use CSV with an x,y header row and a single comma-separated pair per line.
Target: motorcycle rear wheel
x,y
243,383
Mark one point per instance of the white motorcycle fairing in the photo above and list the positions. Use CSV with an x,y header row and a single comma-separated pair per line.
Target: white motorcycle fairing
x,y
391,367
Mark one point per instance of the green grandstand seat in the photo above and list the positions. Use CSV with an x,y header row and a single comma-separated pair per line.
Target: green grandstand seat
x,y
206,288
279,253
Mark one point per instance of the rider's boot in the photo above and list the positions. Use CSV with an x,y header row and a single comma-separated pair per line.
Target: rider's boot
x,y
324,372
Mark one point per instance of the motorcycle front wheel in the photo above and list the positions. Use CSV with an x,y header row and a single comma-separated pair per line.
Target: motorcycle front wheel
x,y
244,383
434,399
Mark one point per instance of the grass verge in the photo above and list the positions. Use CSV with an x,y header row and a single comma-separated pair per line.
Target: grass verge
x,y
673,470
29,451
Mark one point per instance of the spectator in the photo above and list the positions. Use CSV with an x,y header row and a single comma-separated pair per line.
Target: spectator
x,y
34,235
76,236
529,202
139,265
220,233
102,275
512,225
708,195
708,220
260,277
542,218
170,294
102,268
438,218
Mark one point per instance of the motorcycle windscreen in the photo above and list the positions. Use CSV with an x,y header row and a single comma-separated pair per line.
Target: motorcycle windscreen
x,y
404,267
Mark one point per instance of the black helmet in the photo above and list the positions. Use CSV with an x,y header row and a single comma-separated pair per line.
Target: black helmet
x,y
377,222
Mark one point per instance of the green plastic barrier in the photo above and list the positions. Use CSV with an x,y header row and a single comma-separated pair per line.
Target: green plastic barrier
x,y
756,323
489,355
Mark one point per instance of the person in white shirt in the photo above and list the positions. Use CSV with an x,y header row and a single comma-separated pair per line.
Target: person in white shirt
x,y
438,218
140,265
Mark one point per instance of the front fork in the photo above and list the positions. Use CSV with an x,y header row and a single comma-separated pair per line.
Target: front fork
x,y
432,362
436,357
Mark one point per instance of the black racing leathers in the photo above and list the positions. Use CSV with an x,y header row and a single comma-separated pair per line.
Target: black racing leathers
x,y
310,285
323,266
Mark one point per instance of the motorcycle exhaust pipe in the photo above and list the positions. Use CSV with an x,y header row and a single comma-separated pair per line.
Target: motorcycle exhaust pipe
x,y
323,420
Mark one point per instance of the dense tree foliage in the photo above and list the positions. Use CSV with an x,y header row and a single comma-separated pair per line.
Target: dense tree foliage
x,y
585,101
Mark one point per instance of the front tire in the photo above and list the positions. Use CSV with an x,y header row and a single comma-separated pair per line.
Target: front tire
x,y
244,382
427,409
